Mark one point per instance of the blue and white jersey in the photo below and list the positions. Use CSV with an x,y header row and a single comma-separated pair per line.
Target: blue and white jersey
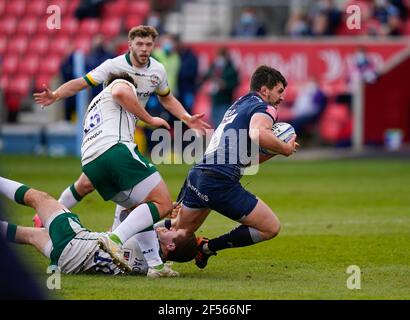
x,y
230,149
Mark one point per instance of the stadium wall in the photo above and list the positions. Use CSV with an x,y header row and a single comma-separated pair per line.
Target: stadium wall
x,y
387,102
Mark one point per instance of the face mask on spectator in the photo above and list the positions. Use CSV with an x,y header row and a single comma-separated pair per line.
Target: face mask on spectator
x,y
247,18
167,47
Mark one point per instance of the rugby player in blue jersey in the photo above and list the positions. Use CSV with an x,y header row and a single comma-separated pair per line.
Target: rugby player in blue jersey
x,y
214,183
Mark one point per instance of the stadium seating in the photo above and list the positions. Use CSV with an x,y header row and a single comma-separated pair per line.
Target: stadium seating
x,y
29,65
115,9
110,27
3,44
27,26
69,26
8,25
15,8
36,8
10,64
39,44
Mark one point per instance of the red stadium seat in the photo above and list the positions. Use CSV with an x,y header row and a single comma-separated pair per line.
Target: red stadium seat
x,y
29,65
51,64
90,26
110,27
2,7
141,8
17,88
28,26
69,26
3,44
115,9
132,21
10,63
60,45
18,45
334,122
4,81
40,80
83,44
20,85
8,25
36,8
15,7
38,44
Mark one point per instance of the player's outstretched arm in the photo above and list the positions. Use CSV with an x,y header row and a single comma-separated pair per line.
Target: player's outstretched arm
x,y
123,95
175,107
68,89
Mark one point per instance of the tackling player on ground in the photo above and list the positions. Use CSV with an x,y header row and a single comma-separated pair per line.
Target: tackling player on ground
x,y
75,249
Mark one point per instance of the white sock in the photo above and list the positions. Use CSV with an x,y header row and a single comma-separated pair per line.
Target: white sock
x,y
48,248
9,188
149,245
118,217
68,199
139,219
3,229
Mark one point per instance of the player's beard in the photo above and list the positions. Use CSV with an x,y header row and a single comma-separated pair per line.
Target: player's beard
x,y
139,59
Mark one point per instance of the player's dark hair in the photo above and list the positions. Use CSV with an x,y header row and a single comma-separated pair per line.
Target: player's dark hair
x,y
185,249
142,32
266,76
121,75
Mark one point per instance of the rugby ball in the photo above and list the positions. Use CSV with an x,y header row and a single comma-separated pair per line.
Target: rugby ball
x,y
283,131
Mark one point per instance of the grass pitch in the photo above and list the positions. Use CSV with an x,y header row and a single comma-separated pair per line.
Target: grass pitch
x,y
334,214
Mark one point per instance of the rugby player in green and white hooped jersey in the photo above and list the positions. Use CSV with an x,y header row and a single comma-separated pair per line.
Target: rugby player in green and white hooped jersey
x,y
140,66
75,249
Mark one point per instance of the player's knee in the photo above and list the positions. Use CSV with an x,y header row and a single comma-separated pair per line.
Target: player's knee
x,y
272,230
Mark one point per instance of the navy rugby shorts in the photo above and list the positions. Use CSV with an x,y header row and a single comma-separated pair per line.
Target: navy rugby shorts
x,y
208,189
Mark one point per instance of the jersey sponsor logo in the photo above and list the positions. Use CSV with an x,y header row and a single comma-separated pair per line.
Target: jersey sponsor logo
x,y
144,94
95,135
154,80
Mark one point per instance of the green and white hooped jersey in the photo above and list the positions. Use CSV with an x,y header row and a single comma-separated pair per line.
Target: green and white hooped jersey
x,y
82,254
149,79
106,123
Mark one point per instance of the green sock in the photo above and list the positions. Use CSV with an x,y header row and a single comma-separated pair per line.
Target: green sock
x,y
115,238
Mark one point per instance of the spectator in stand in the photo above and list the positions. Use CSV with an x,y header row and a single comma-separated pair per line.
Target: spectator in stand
x,y
224,80
325,18
89,9
187,76
154,20
98,54
309,105
297,25
249,26
364,67
67,74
